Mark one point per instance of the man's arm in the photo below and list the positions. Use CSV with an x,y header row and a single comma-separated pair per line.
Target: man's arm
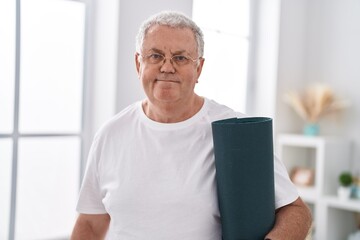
x,y
91,226
293,222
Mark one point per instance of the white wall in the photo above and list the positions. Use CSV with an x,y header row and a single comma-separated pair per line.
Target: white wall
x,y
102,65
263,62
320,41
292,43
131,15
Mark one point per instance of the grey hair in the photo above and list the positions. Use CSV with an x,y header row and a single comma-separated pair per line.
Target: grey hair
x,y
172,19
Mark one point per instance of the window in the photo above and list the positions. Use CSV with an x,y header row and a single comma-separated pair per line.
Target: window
x,y
226,27
41,116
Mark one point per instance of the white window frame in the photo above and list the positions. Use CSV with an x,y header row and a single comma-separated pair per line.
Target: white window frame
x,y
85,131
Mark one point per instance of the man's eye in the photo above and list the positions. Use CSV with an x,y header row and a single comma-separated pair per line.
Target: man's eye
x,y
180,58
156,56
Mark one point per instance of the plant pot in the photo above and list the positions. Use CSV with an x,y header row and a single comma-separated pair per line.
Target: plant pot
x,y
344,193
311,129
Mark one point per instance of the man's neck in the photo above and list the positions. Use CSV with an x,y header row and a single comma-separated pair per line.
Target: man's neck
x,y
172,112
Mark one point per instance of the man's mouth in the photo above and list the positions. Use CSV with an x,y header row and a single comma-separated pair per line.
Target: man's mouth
x,y
167,80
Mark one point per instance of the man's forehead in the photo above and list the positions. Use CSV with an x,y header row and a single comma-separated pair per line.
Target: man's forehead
x,y
173,32
161,36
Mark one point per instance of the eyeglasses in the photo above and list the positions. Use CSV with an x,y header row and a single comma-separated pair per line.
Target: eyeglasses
x,y
180,60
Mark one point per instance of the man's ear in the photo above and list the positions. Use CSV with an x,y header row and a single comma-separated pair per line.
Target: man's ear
x,y
200,66
137,62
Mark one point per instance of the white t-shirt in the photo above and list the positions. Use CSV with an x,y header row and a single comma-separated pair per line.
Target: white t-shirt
x,y
157,180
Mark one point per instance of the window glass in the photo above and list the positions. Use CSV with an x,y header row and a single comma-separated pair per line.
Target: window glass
x,y
52,44
225,73
230,16
224,76
7,65
5,185
48,181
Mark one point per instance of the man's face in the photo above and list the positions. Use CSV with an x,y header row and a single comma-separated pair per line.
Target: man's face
x,y
168,82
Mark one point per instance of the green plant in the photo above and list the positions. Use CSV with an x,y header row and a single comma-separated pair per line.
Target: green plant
x,y
345,179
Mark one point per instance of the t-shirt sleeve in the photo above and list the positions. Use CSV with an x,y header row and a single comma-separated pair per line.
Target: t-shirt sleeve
x,y
90,198
285,191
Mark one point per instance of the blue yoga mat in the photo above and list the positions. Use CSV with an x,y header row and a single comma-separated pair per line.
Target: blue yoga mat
x,y
244,161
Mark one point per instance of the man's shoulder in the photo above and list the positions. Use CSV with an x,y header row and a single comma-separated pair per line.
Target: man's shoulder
x,y
217,111
120,120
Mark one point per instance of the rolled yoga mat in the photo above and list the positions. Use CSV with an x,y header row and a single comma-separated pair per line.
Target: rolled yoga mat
x,y
244,161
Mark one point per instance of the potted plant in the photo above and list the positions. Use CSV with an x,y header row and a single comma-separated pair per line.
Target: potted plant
x,y
344,190
313,103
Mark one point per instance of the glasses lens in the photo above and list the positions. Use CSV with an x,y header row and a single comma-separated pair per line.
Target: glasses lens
x,y
180,60
155,58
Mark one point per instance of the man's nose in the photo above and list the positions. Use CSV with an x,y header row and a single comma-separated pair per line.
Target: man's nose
x,y
167,66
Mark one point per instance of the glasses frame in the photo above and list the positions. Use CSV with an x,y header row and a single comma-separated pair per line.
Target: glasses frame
x,y
173,62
